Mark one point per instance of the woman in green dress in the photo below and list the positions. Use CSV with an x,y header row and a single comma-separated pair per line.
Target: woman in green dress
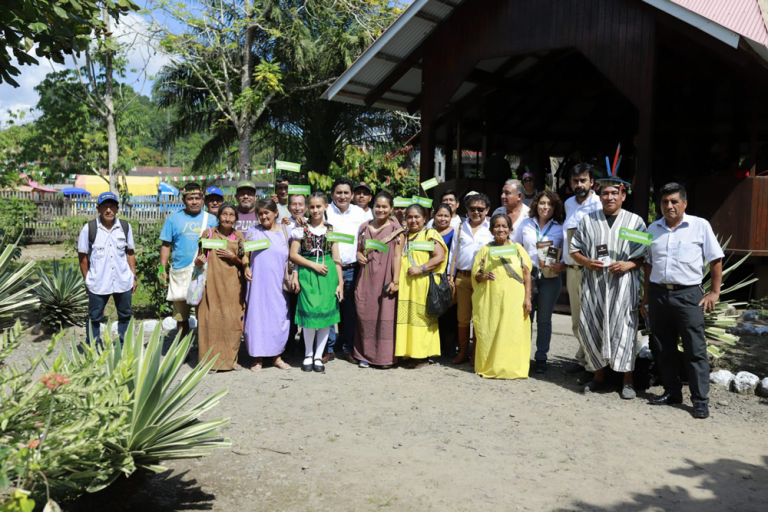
x,y
318,280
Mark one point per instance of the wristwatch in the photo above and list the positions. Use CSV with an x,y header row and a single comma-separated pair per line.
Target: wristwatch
x,y
424,269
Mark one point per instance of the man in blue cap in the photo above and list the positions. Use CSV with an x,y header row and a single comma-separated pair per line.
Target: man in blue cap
x,y
108,263
214,198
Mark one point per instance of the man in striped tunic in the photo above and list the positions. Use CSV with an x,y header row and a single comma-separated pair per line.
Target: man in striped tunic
x,y
610,284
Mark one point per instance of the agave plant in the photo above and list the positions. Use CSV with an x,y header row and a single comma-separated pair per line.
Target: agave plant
x,y
9,341
15,287
63,299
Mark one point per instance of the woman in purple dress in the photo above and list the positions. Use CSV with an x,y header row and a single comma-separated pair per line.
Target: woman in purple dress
x,y
266,314
379,254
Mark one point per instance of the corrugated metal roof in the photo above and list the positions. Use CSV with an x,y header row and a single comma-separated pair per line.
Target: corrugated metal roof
x,y
723,19
741,16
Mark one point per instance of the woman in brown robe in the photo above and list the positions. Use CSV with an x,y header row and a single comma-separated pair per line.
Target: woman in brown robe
x,y
379,254
220,313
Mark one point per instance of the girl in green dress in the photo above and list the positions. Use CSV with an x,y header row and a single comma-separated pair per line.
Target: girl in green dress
x,y
319,281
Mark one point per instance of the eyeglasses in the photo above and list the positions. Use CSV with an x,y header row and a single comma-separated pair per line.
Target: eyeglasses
x,y
476,209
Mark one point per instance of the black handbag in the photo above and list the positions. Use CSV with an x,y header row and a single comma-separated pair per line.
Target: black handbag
x,y
439,296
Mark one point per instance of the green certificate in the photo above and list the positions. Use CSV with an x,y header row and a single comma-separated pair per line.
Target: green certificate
x,y
402,202
635,236
213,244
429,184
503,250
299,190
423,201
375,245
341,238
421,246
257,245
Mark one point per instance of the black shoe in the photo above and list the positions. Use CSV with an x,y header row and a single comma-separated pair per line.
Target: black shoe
x,y
592,386
574,368
541,366
667,399
306,367
700,411
319,367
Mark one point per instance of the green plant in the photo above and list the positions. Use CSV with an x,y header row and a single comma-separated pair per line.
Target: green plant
x,y
98,413
147,258
14,213
63,298
379,171
15,287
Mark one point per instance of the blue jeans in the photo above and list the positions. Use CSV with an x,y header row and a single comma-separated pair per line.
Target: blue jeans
x,y
348,314
96,305
549,290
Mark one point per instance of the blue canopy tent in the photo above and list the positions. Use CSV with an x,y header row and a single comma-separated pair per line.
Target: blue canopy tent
x,y
164,189
75,191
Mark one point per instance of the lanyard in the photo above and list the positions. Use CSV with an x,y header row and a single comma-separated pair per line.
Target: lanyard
x,y
536,225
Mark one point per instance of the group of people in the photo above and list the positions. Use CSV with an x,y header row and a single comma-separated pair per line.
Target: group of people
x,y
354,261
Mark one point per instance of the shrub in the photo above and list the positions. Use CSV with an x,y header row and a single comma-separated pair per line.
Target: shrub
x,y
14,212
96,414
147,258
63,298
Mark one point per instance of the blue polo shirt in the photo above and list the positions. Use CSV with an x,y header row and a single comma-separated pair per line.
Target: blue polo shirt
x,y
183,231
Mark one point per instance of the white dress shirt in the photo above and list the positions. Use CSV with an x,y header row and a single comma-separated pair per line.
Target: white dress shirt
x,y
528,235
108,269
677,256
574,212
469,245
455,222
368,214
348,223
524,212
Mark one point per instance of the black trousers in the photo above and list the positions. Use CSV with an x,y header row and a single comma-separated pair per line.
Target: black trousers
x,y
673,314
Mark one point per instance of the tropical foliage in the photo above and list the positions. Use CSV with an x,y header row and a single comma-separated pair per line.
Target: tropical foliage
x,y
16,286
62,296
147,255
97,414
54,28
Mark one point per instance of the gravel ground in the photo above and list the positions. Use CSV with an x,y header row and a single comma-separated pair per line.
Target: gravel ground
x,y
442,438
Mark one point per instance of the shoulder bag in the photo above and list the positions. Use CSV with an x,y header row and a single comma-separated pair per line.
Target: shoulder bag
x,y
288,274
197,282
439,295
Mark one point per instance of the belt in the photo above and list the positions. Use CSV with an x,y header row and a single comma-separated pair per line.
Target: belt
x,y
675,286
347,267
464,272
575,267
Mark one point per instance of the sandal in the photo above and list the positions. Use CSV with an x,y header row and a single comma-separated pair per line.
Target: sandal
x,y
279,363
237,368
255,367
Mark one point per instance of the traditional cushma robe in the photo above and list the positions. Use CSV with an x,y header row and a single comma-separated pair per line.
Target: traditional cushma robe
x,y
609,316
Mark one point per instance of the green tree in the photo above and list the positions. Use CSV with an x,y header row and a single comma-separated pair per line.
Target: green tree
x,y
56,27
238,59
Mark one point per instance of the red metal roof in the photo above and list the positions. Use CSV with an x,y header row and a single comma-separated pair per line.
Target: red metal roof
x,y
741,16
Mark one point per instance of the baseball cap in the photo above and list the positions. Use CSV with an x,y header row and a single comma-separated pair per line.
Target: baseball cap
x,y
529,175
107,196
246,184
213,191
364,185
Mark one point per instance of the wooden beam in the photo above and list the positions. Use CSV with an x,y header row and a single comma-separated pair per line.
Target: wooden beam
x,y
427,17
383,101
401,69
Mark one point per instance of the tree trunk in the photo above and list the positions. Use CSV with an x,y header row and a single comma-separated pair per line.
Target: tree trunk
x,y
110,111
244,152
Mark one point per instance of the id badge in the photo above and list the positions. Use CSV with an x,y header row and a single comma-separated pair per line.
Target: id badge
x,y
603,255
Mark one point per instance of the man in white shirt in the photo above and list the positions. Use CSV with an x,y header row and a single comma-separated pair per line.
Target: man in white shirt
x,y
674,271
584,202
106,252
512,204
281,191
362,198
345,218
472,235
448,198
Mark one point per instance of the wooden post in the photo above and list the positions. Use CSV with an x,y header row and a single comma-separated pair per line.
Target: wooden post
x,y
427,170
753,129
449,147
458,150
645,130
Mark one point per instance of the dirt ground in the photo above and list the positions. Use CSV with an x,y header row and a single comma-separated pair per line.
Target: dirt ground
x,y
442,438
40,252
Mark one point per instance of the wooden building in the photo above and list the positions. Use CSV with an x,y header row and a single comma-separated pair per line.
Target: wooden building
x,y
682,85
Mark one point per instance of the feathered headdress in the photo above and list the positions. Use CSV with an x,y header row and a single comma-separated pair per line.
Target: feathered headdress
x,y
613,178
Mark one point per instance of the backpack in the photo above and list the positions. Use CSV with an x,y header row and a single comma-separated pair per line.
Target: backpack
x,y
93,229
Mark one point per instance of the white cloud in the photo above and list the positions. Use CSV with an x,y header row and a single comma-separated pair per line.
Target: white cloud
x,y
132,30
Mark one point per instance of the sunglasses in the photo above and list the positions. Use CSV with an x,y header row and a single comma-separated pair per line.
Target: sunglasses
x,y
476,209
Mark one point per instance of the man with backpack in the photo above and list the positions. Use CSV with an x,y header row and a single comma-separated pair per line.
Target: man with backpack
x,y
108,263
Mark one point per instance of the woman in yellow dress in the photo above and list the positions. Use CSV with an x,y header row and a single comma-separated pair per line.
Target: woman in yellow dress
x,y
417,336
501,303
